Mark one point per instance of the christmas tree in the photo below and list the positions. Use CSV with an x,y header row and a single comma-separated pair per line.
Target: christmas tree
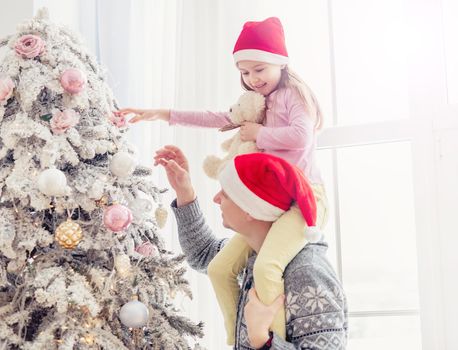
x,y
82,263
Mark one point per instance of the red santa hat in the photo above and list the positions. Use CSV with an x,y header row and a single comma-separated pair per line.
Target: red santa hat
x,y
261,41
266,186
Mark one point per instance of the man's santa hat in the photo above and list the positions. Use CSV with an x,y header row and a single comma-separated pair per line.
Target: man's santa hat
x,y
261,41
265,186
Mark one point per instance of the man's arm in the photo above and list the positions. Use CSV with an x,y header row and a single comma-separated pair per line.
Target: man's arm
x,y
196,238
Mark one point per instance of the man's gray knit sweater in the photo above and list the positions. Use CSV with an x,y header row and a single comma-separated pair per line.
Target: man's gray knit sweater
x,y
316,309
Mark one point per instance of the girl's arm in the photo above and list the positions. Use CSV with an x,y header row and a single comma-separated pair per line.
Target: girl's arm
x,y
187,118
205,119
299,134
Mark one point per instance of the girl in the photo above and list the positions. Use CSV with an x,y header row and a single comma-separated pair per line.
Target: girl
x,y
289,131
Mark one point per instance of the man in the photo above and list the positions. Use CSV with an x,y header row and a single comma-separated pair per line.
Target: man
x,y
316,310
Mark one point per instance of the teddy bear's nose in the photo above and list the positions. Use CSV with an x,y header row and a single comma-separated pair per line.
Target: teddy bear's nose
x,y
230,110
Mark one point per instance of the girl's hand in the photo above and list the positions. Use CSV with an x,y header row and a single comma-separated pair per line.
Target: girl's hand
x,y
259,317
144,114
249,131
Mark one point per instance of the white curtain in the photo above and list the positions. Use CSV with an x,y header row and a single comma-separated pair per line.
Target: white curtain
x,y
178,54
173,54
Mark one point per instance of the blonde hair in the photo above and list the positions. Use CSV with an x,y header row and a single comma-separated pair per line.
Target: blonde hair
x,y
290,79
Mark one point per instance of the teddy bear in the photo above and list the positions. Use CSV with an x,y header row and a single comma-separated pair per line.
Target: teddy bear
x,y
250,107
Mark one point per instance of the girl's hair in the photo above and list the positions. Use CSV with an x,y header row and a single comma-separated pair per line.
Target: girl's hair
x,y
290,79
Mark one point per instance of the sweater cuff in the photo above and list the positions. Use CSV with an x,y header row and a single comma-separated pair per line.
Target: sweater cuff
x,y
187,213
173,117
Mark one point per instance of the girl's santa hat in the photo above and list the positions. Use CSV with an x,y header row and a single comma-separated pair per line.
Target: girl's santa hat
x,y
262,41
266,186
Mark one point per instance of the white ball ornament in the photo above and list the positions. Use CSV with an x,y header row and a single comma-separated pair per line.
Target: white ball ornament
x,y
141,208
313,234
123,164
134,314
52,182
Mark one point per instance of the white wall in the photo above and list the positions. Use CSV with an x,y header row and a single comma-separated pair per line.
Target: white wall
x,y
12,13
60,11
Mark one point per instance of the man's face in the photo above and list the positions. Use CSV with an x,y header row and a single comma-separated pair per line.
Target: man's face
x,y
233,216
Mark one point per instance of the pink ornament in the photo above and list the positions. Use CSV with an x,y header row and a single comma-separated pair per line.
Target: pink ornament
x,y
118,120
73,80
29,46
147,249
6,87
62,121
117,217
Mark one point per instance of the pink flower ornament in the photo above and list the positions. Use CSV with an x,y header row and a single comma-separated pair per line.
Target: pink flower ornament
x,y
118,120
6,88
147,249
117,217
62,121
73,81
29,46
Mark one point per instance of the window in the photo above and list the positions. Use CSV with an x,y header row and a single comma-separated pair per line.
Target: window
x,y
366,159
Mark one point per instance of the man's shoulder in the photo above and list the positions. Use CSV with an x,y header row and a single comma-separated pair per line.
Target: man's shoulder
x,y
310,260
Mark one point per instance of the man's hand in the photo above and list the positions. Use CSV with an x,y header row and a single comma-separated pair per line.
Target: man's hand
x,y
259,317
176,166
249,131
144,114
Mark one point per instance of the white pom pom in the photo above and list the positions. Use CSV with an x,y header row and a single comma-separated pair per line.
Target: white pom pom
x,y
52,182
134,314
211,166
313,234
122,164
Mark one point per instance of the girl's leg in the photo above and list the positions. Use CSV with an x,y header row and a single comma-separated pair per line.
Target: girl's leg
x,y
223,271
284,240
321,199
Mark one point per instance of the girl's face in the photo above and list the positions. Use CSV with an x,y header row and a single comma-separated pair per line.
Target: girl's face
x,y
261,77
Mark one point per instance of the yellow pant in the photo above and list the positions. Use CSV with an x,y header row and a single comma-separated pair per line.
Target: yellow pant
x,y
284,240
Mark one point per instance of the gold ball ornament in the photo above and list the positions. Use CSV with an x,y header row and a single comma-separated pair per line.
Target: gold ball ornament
x,y
69,234
161,216
102,202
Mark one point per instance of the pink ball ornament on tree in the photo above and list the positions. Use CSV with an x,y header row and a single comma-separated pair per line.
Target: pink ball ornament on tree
x,y
73,80
6,88
147,249
117,217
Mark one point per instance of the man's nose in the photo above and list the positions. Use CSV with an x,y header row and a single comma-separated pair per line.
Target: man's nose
x,y
217,198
